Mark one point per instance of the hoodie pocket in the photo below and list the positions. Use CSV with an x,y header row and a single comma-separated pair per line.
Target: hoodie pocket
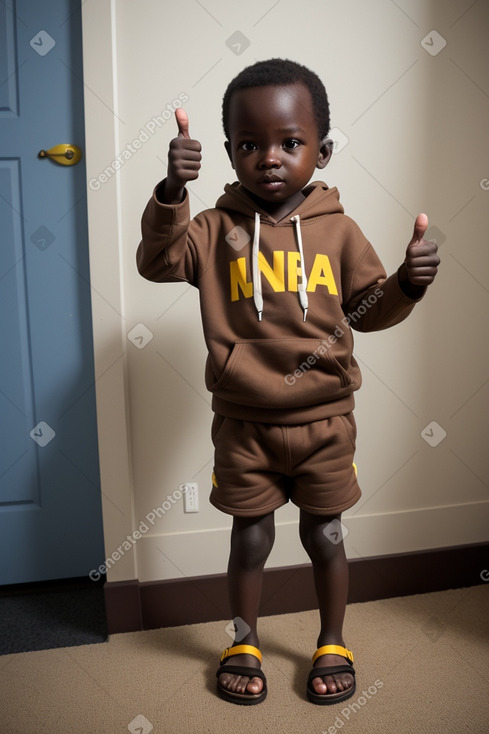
x,y
283,373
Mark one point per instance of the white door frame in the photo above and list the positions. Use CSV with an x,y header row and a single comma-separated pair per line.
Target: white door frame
x,y
108,308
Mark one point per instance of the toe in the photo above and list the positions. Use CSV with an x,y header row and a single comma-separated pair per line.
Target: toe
x,y
346,682
334,683
227,681
224,679
255,685
230,682
331,684
240,683
319,686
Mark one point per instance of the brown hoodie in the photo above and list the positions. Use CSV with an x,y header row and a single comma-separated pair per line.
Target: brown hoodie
x,y
277,299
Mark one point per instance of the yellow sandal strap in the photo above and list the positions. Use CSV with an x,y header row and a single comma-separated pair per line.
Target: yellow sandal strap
x,y
241,650
332,650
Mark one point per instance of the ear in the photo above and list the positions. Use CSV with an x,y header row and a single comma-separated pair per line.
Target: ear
x,y
227,145
325,152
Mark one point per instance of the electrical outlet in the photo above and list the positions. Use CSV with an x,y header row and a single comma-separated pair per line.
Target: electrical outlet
x,y
190,497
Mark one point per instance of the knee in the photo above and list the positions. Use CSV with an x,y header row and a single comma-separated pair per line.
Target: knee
x,y
321,540
251,542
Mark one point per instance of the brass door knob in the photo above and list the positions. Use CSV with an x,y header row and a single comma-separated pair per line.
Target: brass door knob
x,y
65,154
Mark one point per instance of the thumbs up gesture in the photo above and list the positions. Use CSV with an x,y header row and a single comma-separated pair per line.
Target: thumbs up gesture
x,y
183,160
421,259
181,118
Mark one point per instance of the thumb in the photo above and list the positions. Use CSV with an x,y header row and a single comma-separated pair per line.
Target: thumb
x,y
182,122
420,227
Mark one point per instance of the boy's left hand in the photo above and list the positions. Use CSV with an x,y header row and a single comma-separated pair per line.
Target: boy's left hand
x,y
421,259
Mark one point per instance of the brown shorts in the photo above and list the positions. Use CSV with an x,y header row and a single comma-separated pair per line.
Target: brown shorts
x,y
259,466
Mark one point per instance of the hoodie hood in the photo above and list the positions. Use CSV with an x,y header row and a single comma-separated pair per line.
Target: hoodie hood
x,y
319,200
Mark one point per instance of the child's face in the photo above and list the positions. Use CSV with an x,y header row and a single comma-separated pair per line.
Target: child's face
x,y
274,144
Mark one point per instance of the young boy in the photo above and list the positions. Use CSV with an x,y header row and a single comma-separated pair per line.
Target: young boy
x,y
282,275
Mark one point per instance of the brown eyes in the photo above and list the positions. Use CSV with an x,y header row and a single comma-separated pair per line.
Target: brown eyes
x,y
248,146
291,144
288,144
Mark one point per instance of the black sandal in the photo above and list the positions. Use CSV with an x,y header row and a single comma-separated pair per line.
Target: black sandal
x,y
246,699
325,699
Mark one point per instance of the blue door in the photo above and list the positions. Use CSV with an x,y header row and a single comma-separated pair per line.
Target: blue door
x,y
50,497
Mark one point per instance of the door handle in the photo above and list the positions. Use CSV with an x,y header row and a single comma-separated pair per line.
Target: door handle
x,y
65,154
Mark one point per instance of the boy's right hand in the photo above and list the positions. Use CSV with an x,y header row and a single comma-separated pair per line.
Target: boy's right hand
x,y
183,160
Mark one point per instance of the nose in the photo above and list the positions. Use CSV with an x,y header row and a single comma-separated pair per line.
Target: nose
x,y
270,158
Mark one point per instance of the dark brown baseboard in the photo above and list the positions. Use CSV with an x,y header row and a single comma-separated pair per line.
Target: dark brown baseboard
x,y
132,605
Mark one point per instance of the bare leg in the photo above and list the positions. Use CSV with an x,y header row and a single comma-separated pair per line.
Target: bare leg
x,y
251,542
330,569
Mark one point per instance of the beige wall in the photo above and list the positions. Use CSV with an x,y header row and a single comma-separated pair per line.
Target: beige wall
x,y
417,133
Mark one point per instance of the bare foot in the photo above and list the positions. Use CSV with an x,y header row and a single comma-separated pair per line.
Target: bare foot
x,y
336,683
241,683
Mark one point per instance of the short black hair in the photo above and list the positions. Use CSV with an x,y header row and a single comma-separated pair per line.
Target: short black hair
x,y
279,72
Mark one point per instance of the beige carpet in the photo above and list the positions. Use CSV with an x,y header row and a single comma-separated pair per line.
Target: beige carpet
x,y
422,668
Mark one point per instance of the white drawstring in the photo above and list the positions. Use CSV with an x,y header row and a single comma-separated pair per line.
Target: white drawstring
x,y
301,287
257,289
257,292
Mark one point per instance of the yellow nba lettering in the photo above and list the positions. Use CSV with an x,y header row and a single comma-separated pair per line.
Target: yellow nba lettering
x,y
238,279
275,275
294,271
321,274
